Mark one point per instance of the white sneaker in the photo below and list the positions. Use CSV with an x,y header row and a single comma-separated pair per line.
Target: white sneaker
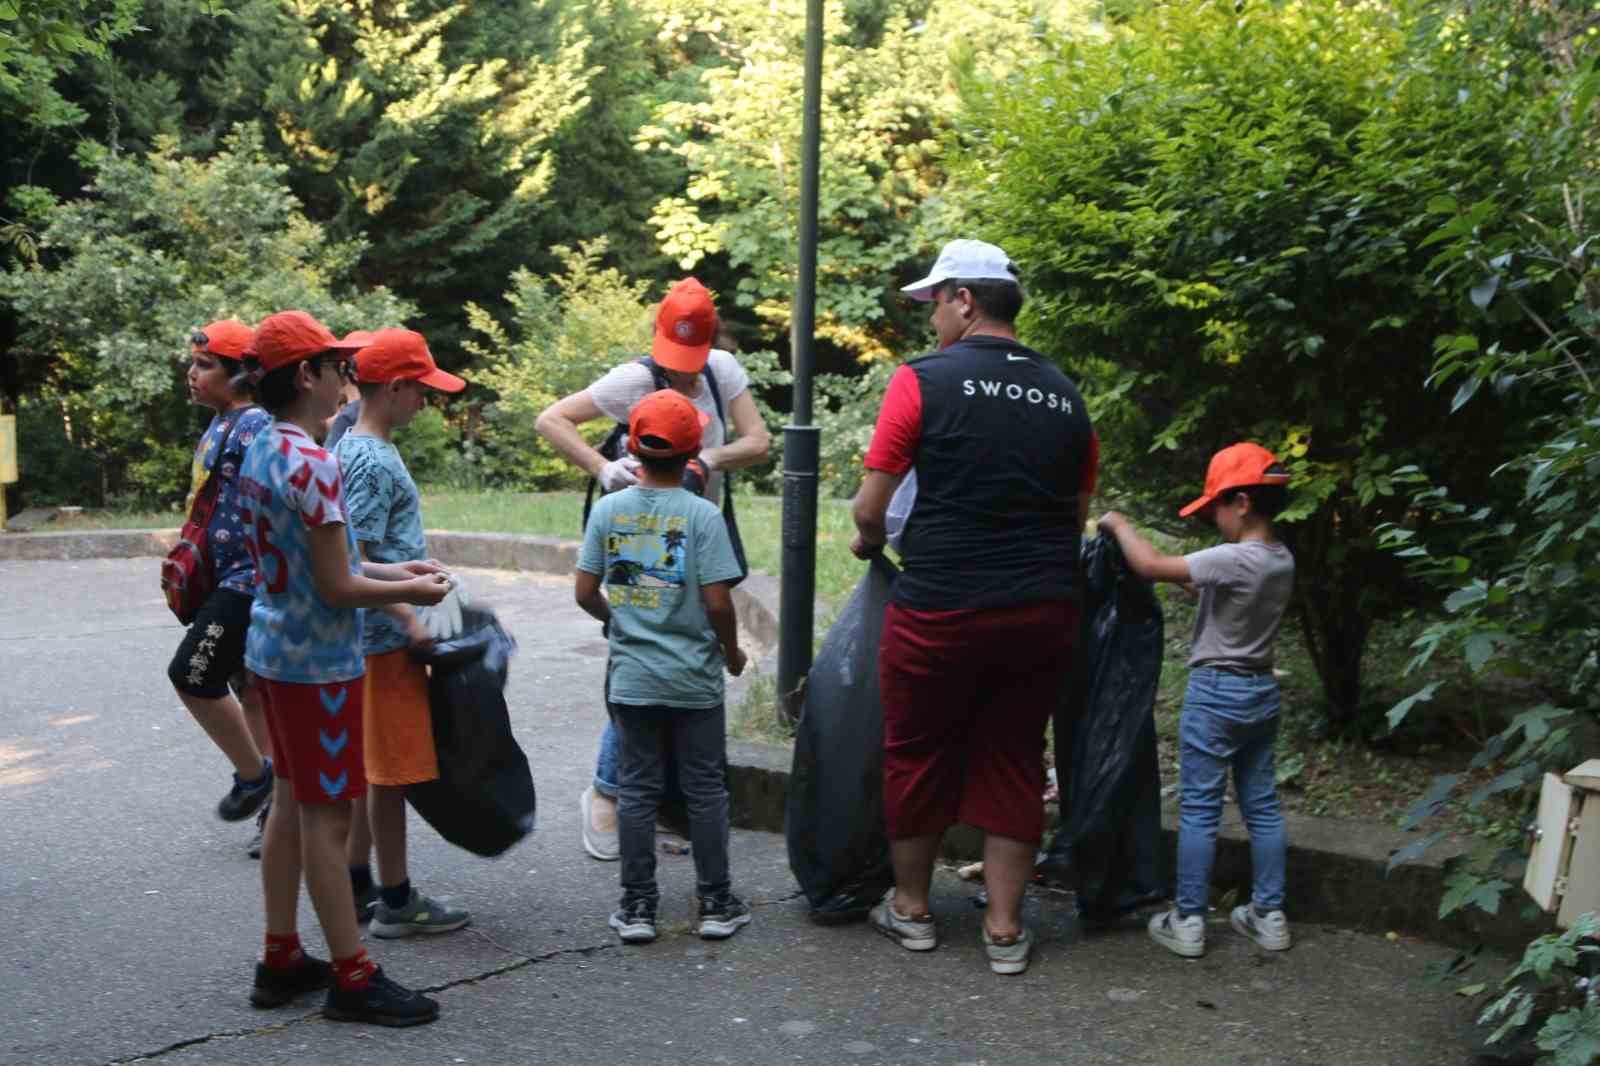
x,y
1008,958
914,932
1181,936
1269,929
598,843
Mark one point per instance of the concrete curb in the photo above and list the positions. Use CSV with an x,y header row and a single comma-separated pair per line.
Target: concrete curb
x,y
1336,867
755,599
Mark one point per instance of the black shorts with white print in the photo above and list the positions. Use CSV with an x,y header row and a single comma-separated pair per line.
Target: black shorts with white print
x,y
211,656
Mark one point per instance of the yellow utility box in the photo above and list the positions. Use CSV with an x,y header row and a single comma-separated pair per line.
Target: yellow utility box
x,y
8,459
1563,874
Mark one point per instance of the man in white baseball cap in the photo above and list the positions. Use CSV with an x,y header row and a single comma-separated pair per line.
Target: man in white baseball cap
x,y
967,260
979,632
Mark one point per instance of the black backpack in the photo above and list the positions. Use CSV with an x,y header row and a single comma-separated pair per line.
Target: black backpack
x,y
615,446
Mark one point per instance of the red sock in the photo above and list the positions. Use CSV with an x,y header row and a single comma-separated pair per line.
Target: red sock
x,y
356,971
283,952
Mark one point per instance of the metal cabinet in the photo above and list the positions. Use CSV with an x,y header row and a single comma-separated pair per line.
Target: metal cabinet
x,y
1563,873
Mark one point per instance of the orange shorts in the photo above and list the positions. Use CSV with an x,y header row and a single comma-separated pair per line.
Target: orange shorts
x,y
397,722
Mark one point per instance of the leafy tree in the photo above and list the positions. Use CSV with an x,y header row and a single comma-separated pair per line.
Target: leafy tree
x,y
163,244
889,104
1219,210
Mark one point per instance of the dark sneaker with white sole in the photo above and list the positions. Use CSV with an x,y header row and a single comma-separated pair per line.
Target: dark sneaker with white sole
x,y
274,988
366,904
722,916
379,1002
246,797
421,914
635,921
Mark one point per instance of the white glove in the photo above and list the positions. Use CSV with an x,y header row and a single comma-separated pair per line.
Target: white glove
x,y
619,474
443,619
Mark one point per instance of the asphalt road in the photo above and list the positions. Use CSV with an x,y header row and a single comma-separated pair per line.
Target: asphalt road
x,y
131,916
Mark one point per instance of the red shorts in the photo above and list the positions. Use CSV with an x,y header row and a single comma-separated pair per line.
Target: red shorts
x,y
316,738
966,697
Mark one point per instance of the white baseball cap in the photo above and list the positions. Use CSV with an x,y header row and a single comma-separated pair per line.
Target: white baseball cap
x,y
967,260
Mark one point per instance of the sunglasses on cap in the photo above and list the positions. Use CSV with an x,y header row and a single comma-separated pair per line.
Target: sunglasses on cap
x,y
199,339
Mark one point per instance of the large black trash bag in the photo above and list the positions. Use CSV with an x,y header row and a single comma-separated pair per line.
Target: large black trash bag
x,y
1107,845
483,798
834,823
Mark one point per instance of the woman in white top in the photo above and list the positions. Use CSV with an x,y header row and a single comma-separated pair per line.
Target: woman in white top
x,y
686,325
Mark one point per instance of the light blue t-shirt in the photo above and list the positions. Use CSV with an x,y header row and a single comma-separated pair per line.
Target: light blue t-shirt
x,y
288,485
654,548
386,516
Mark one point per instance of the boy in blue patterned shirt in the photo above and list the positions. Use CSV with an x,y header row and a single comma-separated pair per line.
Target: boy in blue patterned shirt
x,y
304,646
393,373
210,658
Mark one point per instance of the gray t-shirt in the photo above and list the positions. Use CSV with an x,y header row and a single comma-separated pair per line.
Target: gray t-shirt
x,y
653,549
1244,590
623,386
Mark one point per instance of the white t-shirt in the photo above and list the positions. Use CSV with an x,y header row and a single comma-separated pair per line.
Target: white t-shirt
x,y
1244,590
625,385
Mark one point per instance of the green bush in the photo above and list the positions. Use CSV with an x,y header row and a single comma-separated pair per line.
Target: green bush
x,y
1219,211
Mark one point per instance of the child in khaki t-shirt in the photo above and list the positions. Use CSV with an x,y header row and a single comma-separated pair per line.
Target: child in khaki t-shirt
x,y
1230,709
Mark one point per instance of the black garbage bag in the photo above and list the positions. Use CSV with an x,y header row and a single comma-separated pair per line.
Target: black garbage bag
x,y
1107,844
834,822
483,798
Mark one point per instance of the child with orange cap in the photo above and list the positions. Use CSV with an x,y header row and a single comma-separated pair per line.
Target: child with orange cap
x,y
393,373
1231,707
210,658
304,646
667,566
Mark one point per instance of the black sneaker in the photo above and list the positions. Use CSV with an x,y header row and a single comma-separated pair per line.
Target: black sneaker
x,y
366,904
722,916
274,988
635,921
246,797
380,1002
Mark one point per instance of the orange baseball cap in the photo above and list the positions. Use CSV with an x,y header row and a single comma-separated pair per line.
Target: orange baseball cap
x,y
665,425
402,355
686,324
1238,466
290,336
362,337
227,337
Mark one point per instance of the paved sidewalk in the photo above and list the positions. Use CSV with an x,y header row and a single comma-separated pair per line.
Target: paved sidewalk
x,y
132,915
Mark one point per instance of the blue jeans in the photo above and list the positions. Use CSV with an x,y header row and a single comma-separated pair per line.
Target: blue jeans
x,y
1229,720
608,765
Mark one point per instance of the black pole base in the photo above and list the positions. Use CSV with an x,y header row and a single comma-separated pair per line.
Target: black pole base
x,y
798,577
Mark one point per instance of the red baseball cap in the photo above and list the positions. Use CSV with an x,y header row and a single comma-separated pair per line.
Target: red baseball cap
x,y
290,336
362,337
227,337
402,355
686,324
670,424
1238,466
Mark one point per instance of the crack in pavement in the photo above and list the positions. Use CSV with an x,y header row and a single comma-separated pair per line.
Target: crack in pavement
x,y
521,961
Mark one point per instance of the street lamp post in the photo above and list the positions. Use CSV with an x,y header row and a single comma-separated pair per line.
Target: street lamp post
x,y
801,439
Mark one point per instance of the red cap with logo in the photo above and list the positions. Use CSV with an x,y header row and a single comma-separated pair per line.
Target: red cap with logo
x,y
227,337
665,425
402,355
686,324
290,336
1238,466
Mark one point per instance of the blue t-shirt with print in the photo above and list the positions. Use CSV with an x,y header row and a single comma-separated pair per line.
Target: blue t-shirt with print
x,y
653,549
231,566
289,485
386,517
